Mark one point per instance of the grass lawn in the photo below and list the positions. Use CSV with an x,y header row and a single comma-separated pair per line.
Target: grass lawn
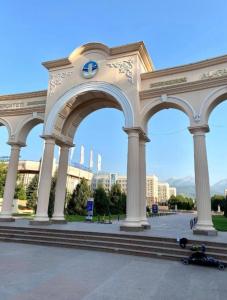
x,y
220,223
77,218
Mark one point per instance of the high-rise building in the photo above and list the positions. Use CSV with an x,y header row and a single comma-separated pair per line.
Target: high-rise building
x,y
172,191
163,191
155,191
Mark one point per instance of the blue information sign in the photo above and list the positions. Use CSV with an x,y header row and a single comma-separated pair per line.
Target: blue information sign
x,y
154,208
90,208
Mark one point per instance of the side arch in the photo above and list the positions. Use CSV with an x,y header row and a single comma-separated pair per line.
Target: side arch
x,y
25,127
164,103
211,101
7,125
104,87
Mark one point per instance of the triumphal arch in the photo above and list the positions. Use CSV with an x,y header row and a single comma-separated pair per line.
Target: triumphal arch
x,y
95,76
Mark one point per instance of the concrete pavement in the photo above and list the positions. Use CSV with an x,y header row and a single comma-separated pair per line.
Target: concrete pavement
x,y
30,272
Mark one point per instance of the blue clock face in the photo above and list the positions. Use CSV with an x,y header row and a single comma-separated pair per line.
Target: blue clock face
x,y
90,69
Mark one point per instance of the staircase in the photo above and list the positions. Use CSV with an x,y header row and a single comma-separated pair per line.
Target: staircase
x,y
159,247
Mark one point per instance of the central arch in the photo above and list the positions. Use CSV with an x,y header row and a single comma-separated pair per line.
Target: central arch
x,y
70,97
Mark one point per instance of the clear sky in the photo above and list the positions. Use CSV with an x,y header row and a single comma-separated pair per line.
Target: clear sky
x,y
175,32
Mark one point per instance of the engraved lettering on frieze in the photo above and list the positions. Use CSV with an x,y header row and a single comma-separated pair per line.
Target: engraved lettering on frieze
x,y
124,67
214,74
35,103
15,105
168,82
57,79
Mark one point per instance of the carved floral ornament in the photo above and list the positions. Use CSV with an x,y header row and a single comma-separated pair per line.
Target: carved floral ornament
x,y
124,67
57,79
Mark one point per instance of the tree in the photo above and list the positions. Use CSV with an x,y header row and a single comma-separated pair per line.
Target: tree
x,y
182,202
115,199
3,172
225,207
101,201
78,202
20,192
217,200
52,196
31,193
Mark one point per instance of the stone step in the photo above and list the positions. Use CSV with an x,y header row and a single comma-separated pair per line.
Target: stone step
x,y
114,235
110,240
127,251
94,237
123,244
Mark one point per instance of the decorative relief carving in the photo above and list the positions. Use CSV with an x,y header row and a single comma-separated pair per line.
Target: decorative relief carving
x,y
163,98
197,118
214,74
57,79
124,67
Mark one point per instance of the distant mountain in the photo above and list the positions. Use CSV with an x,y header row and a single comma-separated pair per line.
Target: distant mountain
x,y
186,186
219,187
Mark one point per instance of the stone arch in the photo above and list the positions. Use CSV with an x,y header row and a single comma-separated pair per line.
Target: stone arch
x,y
25,127
66,102
7,125
81,112
164,103
211,101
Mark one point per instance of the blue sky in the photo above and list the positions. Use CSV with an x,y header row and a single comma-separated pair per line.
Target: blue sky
x,y
175,32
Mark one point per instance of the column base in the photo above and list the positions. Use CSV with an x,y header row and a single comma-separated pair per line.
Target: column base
x,y
145,224
34,222
205,232
131,226
39,220
56,221
202,229
6,219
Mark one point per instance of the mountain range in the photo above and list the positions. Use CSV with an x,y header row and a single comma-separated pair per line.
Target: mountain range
x,y
186,186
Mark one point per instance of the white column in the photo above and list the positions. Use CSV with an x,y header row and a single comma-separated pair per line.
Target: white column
x,y
45,181
133,210
11,178
60,191
143,184
202,185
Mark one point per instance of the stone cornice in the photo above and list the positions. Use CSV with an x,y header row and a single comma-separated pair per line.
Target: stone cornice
x,y
56,63
184,87
24,95
185,68
139,47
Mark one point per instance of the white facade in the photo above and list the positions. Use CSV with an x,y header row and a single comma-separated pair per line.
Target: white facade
x,y
172,191
155,191
163,192
28,169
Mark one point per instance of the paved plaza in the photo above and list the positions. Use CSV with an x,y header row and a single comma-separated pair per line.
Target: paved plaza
x,y
30,272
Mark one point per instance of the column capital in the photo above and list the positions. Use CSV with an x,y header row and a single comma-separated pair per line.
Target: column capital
x,y
16,144
199,129
139,131
64,144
